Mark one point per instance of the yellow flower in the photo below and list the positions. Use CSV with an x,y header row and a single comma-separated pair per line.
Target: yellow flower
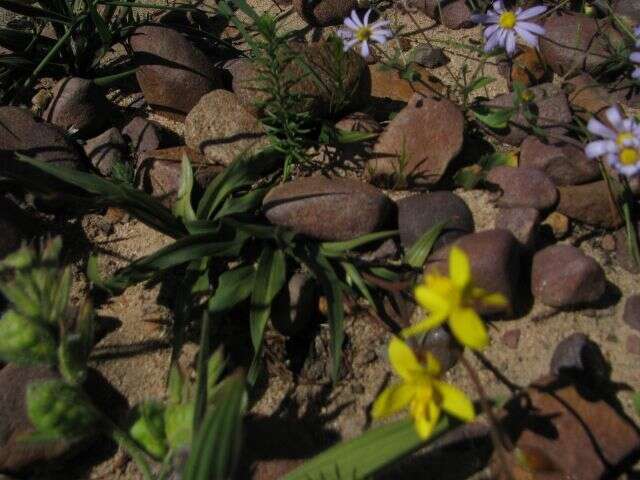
x,y
421,391
454,298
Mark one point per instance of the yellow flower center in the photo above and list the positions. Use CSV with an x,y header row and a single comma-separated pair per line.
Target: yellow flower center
x,y
624,137
629,156
363,34
508,20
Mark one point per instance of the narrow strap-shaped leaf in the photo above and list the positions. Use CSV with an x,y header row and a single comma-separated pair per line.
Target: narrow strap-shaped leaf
x,y
365,455
202,371
234,286
34,12
336,249
419,251
353,274
182,207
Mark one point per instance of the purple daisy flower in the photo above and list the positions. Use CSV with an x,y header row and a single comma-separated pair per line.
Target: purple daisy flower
x,y
504,26
619,144
356,31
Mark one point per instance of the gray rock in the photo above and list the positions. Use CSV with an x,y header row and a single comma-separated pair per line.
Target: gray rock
x,y
563,163
419,213
428,56
578,355
562,276
553,110
78,103
328,208
172,73
409,150
221,129
523,187
107,150
523,223
443,346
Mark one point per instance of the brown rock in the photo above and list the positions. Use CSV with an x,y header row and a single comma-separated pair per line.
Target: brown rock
x,y
562,276
408,150
456,14
559,224
221,129
325,12
106,150
23,133
144,135
420,213
579,434
587,96
511,338
523,223
328,208
78,103
633,344
158,172
573,43
15,225
359,122
608,242
579,357
623,255
552,107
172,73
495,261
628,11
589,203
563,163
523,187
388,84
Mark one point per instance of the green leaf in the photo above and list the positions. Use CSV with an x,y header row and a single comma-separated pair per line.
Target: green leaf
x,y
59,409
24,341
336,249
468,177
245,203
34,12
234,286
72,358
178,424
214,452
354,275
419,251
636,402
182,207
269,280
365,455
495,118
202,370
479,83
149,429
101,26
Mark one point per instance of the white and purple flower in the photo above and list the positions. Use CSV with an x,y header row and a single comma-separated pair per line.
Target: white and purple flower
x,y
619,144
356,31
504,26
635,56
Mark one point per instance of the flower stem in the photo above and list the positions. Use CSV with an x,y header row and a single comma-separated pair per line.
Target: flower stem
x,y
138,456
497,438
632,234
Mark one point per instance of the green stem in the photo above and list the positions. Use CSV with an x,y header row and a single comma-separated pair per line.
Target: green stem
x,y
632,234
138,456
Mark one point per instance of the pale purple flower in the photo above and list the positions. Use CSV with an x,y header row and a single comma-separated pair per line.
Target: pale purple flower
x,y
619,144
504,26
635,56
356,31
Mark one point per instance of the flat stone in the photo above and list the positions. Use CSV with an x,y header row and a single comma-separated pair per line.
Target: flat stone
x,y
589,203
588,97
328,208
407,150
107,150
324,12
562,276
523,187
387,84
144,135
523,223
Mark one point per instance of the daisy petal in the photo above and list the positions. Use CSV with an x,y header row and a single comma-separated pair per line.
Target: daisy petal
x,y
635,57
511,43
598,128
532,27
615,117
355,18
532,12
364,49
350,24
455,402
468,328
599,148
528,37
366,17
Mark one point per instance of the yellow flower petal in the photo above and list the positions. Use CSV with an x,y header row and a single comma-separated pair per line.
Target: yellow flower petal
x,y
459,268
468,328
455,401
402,359
426,422
430,300
494,300
392,400
433,365
429,323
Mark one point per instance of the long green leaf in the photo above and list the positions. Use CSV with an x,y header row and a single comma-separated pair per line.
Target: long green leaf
x,y
336,249
233,287
419,251
217,445
365,455
34,12
270,277
202,379
182,207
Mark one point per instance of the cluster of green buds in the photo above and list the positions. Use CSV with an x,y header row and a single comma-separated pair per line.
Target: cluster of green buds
x,y
38,327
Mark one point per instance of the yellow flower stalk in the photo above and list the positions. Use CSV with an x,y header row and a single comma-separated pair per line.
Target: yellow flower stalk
x,y
454,299
420,391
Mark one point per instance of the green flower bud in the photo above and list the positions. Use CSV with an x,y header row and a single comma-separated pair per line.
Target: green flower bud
x,y
148,429
24,341
72,359
57,408
178,424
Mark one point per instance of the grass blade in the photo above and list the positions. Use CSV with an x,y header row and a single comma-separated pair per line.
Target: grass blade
x,y
419,251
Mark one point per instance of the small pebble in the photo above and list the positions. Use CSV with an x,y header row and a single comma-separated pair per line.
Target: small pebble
x,y
511,338
631,314
633,344
558,223
608,243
